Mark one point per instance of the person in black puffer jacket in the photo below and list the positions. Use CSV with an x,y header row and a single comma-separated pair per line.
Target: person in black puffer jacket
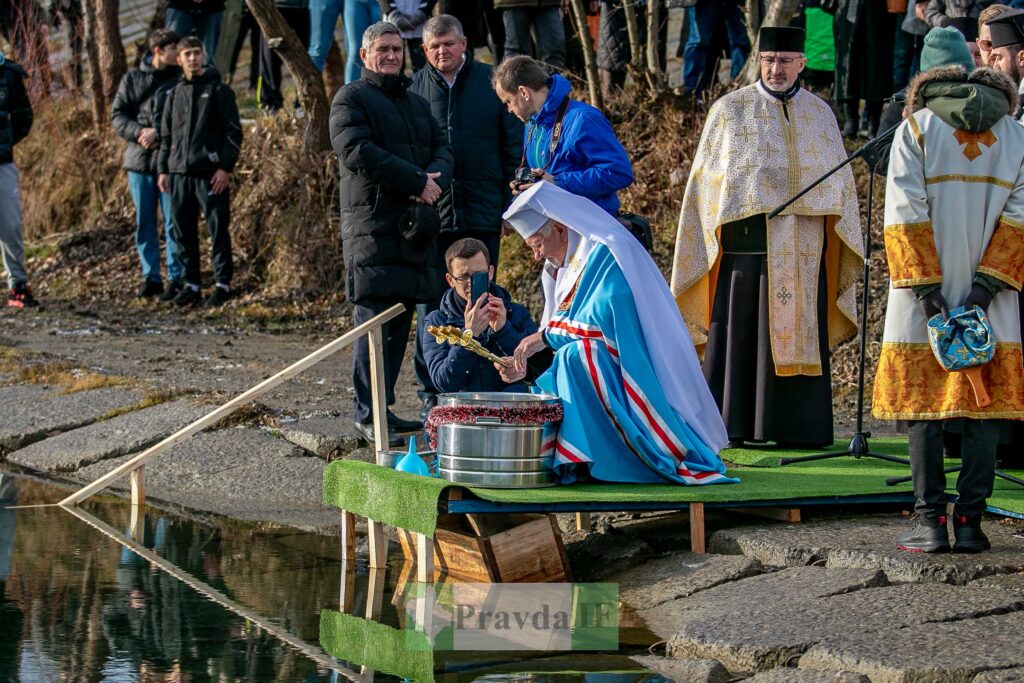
x,y
487,142
498,324
200,137
394,163
15,123
136,117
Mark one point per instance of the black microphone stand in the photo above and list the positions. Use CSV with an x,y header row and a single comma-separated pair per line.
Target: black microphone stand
x,y
858,446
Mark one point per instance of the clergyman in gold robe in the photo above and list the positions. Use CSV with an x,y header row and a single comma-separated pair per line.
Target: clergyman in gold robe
x,y
764,300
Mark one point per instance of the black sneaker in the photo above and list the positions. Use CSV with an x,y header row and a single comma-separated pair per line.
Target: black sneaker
x,y
402,426
20,296
174,288
927,536
188,297
365,434
968,536
218,297
150,288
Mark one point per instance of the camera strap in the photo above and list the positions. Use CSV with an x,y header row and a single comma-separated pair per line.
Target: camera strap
x,y
556,135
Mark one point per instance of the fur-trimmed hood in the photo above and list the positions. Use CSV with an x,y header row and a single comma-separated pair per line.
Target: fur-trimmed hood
x,y
967,101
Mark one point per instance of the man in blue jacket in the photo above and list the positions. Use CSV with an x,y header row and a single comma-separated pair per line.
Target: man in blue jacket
x,y
584,157
497,323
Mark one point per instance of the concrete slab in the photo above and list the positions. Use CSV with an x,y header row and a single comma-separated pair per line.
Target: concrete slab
x,y
939,653
1015,675
686,670
792,614
122,435
868,543
241,472
323,436
791,675
33,411
679,576
1009,582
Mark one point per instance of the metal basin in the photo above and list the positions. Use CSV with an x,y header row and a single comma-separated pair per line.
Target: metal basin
x,y
484,451
500,480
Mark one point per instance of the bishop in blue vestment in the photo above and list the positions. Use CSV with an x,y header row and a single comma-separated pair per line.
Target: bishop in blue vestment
x,y
637,407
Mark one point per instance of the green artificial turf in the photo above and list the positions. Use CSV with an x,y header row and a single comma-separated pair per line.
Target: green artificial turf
x,y
377,646
768,456
411,502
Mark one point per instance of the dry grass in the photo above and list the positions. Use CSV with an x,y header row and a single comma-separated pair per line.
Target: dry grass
x,y
71,379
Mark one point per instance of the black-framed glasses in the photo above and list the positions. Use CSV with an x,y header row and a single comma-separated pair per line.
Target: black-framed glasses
x,y
772,61
463,279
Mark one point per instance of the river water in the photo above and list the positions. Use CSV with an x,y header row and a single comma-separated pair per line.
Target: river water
x,y
80,600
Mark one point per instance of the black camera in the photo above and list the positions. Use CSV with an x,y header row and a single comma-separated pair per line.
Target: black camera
x,y
525,176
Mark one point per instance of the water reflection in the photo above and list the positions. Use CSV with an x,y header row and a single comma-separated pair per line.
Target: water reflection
x,y
225,601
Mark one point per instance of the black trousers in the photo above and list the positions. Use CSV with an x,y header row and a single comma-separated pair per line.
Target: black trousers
x,y
978,462
492,240
396,337
270,63
190,195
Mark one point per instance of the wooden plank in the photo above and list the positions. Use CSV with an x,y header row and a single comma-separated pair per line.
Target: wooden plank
x,y
348,538
582,521
424,558
375,594
697,527
790,515
378,545
138,481
347,589
528,553
378,394
557,532
137,525
234,404
460,555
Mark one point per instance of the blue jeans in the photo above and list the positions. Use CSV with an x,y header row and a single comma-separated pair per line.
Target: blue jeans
x,y
145,196
204,26
906,59
702,18
546,23
323,15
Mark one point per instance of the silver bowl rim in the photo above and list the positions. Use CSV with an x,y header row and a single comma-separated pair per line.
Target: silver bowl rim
x,y
494,398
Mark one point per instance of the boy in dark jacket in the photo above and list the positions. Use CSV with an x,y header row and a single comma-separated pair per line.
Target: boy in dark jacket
x,y
200,136
15,123
136,118
497,323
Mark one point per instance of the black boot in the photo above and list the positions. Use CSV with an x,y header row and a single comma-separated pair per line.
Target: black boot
x,y
852,115
929,535
967,534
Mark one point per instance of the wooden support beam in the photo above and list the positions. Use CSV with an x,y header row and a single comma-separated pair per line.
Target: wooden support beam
x,y
582,521
697,528
234,404
790,515
378,394
378,545
347,588
424,558
375,594
348,538
137,525
138,480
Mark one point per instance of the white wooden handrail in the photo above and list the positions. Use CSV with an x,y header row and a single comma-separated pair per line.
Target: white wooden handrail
x,y
371,327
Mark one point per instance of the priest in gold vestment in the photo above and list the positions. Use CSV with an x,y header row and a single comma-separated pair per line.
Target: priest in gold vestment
x,y
764,300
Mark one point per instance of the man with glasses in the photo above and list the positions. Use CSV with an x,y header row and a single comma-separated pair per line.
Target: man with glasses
x,y
1007,48
764,300
984,33
395,162
496,322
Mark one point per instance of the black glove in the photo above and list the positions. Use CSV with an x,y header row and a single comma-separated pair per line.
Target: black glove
x,y
979,296
934,303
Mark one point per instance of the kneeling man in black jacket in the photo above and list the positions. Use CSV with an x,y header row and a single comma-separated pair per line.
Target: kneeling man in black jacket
x,y
497,323
200,136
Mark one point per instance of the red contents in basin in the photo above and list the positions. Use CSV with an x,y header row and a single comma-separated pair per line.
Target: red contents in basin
x,y
525,415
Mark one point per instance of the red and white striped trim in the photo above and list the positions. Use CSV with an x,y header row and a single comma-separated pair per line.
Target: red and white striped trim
x,y
597,379
566,452
571,328
652,420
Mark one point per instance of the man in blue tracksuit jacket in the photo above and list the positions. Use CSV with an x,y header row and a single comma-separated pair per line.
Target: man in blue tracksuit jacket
x,y
588,160
497,323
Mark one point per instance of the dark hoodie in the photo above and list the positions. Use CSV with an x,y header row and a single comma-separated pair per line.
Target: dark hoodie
x,y
453,368
971,102
138,104
200,131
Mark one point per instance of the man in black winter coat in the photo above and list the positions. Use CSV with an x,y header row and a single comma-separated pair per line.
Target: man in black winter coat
x,y
15,123
394,164
200,137
487,141
136,117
